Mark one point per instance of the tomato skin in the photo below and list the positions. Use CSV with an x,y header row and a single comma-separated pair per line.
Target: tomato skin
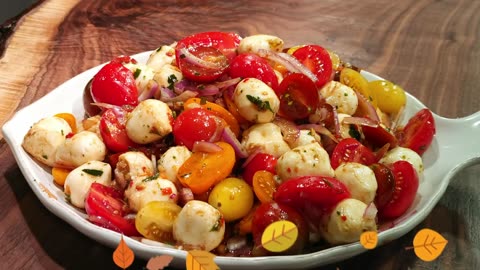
x,y
351,150
317,60
249,65
259,162
419,132
406,186
105,207
385,184
196,125
113,132
266,214
378,136
298,96
114,84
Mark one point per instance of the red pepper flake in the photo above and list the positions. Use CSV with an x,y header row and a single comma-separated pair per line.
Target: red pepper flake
x,y
344,218
140,187
69,135
166,191
289,170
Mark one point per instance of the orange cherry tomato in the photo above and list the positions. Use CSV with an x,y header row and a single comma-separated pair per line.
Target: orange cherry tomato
x,y
264,186
71,120
203,170
245,224
232,108
59,175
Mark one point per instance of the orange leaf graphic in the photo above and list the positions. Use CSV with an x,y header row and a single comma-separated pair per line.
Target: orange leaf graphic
x,y
123,256
279,236
159,262
201,260
428,244
369,239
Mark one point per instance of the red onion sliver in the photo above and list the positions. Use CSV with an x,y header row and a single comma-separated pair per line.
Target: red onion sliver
x,y
228,83
190,57
289,130
367,107
149,93
370,211
182,97
320,130
251,156
185,195
361,121
207,147
229,137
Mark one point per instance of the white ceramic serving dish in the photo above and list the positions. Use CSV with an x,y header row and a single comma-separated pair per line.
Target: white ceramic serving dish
x,y
454,147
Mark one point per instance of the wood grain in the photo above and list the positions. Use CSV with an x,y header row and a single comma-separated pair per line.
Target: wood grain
x,y
430,47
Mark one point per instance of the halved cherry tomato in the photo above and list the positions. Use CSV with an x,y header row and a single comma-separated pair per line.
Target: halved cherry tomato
x,y
317,60
115,84
71,120
379,136
60,175
215,109
406,186
105,208
113,132
249,65
385,184
356,81
389,97
298,96
197,124
259,162
264,186
351,150
203,170
418,133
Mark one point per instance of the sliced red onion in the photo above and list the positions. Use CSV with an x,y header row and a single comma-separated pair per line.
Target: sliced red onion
x,y
208,90
228,83
148,93
289,130
130,216
182,97
320,130
153,158
370,212
251,156
361,121
397,119
382,151
229,137
185,195
166,93
207,147
289,62
366,107
191,58
236,242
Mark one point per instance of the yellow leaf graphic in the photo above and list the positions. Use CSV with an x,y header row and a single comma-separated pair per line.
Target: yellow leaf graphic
x,y
159,262
201,260
369,239
279,236
428,244
123,256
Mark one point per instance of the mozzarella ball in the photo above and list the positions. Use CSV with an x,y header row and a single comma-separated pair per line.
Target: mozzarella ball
x,y
132,166
78,182
252,44
80,148
44,137
310,159
346,222
199,226
264,137
144,77
342,97
256,101
142,191
306,137
171,160
167,75
403,153
161,57
150,121
359,179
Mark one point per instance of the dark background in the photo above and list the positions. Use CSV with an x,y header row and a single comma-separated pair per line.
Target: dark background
x,y
9,9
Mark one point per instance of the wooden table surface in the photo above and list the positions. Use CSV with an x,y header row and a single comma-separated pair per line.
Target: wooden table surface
x,y
430,47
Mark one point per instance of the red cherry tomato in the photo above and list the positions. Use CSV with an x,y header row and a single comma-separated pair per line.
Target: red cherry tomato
x,y
249,65
385,184
406,186
266,214
298,96
113,132
114,84
204,57
317,60
418,133
197,124
105,208
378,136
351,150
259,162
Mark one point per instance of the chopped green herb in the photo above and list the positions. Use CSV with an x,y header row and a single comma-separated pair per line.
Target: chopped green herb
x,y
182,56
172,79
345,94
218,224
45,156
200,86
354,133
203,100
261,105
93,172
137,73
68,198
150,178
159,48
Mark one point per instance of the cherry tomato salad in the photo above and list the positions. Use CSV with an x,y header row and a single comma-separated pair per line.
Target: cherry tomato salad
x,y
217,136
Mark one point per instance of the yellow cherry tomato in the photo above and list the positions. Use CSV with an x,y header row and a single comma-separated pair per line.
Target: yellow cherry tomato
x,y
389,96
233,197
357,82
335,59
155,220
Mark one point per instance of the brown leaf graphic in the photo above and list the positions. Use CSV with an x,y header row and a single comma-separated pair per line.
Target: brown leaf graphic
x,y
279,236
428,244
369,239
123,256
159,262
201,260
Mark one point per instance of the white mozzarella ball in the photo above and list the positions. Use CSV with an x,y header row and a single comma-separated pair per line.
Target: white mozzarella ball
x,y
132,166
347,222
149,121
199,226
80,148
310,159
359,179
344,128
167,75
171,160
342,97
44,137
78,182
149,189
306,137
144,77
256,101
264,137
162,56
403,153
252,44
